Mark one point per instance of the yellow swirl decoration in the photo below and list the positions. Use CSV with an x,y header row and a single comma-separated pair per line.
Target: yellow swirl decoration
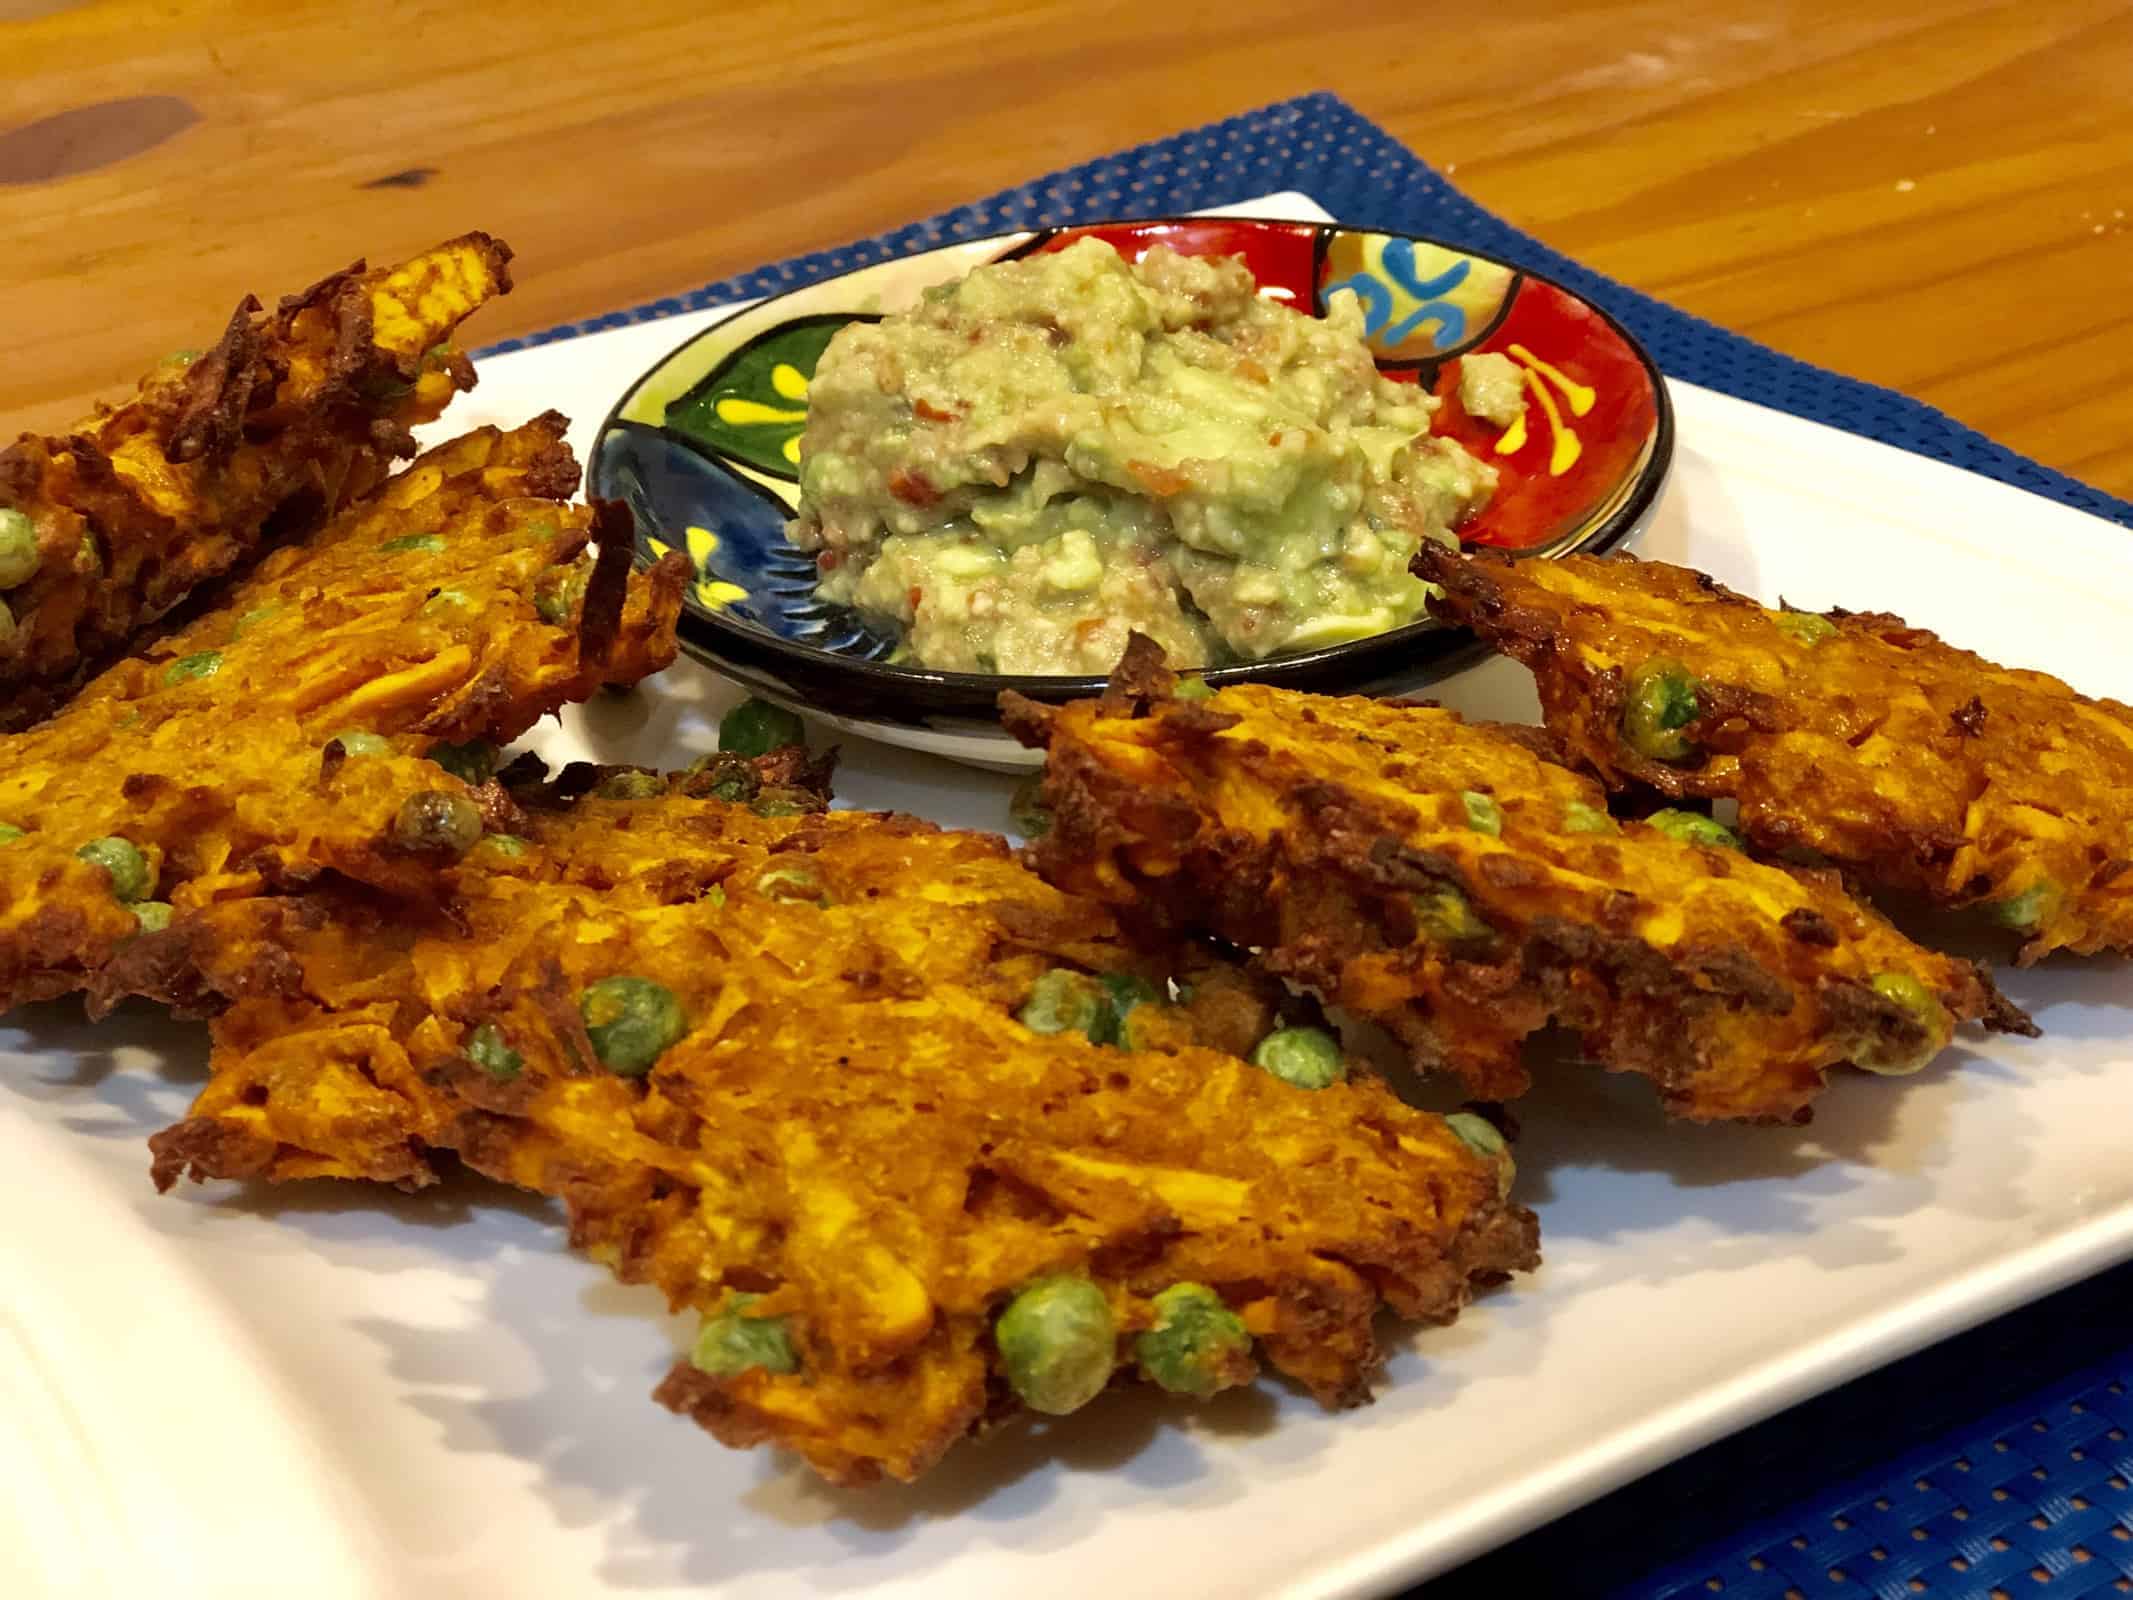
x,y
715,594
1565,446
789,383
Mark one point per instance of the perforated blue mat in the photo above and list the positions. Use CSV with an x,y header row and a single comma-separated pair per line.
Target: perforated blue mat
x,y
1996,1464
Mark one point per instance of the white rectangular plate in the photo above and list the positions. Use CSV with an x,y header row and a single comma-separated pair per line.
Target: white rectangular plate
x,y
330,1391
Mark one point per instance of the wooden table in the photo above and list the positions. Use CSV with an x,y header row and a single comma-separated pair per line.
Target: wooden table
x,y
1932,195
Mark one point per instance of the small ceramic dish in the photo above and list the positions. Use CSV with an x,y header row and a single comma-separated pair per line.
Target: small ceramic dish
x,y
704,449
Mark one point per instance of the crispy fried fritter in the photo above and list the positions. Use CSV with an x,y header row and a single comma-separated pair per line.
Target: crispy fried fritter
x,y
1916,765
1442,879
852,1126
291,415
279,735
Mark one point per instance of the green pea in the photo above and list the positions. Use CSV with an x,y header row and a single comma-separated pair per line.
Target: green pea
x,y
780,800
1906,991
1058,1344
631,786
384,388
1483,814
1578,817
1480,1135
473,762
557,591
435,820
7,621
1693,827
1305,1058
448,600
1662,702
732,1342
1197,1346
153,915
200,664
9,833
132,878
793,879
355,742
19,559
722,775
1123,992
632,1022
756,727
1192,688
1027,813
715,895
1477,1133
181,358
488,1049
506,844
1804,627
256,614
1445,916
1065,1001
2029,909
428,543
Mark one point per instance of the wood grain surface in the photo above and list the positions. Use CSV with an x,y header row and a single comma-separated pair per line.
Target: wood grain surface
x,y
1934,195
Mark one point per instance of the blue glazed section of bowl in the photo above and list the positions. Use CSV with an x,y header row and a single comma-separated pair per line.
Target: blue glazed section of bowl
x,y
738,544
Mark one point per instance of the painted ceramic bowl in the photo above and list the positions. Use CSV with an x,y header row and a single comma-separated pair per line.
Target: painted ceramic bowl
x,y
705,449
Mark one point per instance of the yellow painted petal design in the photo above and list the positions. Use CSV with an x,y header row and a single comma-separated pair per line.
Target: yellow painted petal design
x,y
1579,395
738,413
1565,445
1568,447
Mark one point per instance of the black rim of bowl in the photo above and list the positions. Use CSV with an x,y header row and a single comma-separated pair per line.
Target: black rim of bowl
x,y
877,690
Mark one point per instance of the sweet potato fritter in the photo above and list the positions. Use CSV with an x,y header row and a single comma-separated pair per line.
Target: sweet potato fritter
x,y
1916,765
289,731
840,1146
291,415
1442,879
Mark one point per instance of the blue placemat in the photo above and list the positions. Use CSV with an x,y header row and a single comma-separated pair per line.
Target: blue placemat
x,y
1996,1464
1360,173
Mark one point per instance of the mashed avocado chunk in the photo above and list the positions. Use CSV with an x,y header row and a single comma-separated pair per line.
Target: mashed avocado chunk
x,y
1492,387
1054,451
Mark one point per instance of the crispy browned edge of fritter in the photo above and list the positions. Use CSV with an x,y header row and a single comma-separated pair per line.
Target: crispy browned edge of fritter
x,y
166,966
150,966
1586,709
1472,597
1143,681
201,419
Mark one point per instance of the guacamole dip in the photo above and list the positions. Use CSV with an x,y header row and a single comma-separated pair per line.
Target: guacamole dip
x,y
1055,451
